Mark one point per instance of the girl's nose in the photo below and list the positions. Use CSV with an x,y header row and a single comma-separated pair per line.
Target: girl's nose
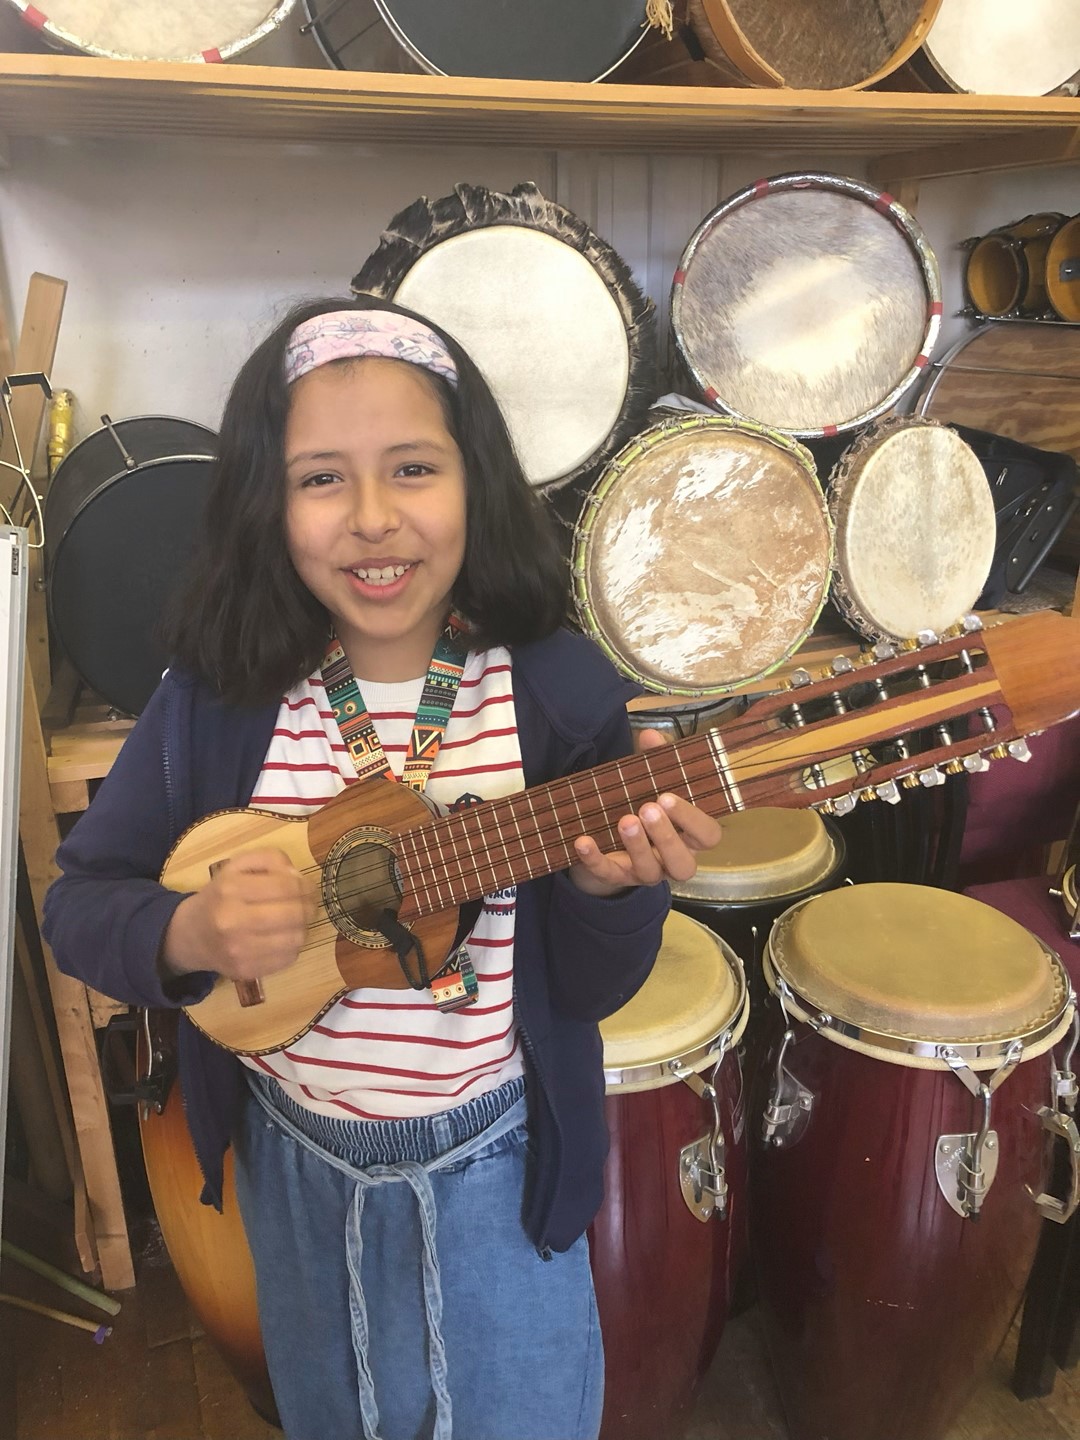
x,y
372,511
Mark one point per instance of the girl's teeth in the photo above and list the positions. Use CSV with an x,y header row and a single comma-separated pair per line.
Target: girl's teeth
x,y
383,576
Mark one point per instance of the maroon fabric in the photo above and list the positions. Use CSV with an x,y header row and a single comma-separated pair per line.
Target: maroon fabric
x,y
1016,809
1030,904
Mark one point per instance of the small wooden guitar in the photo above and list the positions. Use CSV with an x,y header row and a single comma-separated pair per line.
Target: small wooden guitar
x,y
907,716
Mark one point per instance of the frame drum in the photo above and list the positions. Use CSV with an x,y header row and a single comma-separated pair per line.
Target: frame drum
x,y
908,1086
121,521
809,303
667,1241
916,529
182,30
1005,271
998,47
548,311
814,44
703,555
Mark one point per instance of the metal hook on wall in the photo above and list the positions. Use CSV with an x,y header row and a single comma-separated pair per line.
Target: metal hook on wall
x,y
9,383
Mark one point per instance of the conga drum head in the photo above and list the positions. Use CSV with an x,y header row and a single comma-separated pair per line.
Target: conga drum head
x,y
547,310
183,30
915,529
1063,271
906,967
818,44
695,994
766,853
703,555
809,303
118,538
997,47
558,40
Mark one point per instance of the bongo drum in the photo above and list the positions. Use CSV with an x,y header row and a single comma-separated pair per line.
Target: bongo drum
x,y
667,1240
809,303
915,529
122,517
1063,270
1005,271
768,860
549,312
181,30
997,47
908,1089
208,1248
815,44
703,555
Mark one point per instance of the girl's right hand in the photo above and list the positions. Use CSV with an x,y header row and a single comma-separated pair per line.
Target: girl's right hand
x,y
250,920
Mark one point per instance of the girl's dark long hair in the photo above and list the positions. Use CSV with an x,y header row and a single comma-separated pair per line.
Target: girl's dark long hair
x,y
246,623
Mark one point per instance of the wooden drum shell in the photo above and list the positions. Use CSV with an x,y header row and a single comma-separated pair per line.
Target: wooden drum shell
x,y
883,1306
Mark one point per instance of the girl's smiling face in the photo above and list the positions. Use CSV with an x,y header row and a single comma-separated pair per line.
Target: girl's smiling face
x,y
375,509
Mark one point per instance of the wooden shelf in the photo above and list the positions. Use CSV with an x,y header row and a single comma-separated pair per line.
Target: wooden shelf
x,y
908,136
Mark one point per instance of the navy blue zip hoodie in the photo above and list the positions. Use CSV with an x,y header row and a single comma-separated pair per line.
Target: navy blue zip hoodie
x,y
577,958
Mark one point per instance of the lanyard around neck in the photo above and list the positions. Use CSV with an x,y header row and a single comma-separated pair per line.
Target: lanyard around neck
x,y
432,714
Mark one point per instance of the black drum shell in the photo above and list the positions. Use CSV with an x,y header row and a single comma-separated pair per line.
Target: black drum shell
x,y
118,539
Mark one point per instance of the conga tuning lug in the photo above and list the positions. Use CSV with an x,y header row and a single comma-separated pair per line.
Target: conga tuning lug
x,y
702,1181
965,1170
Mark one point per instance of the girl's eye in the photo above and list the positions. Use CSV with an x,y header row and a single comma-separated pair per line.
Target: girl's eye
x,y
414,470
323,478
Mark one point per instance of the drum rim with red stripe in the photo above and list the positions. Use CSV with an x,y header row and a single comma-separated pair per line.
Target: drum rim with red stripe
x,y
38,19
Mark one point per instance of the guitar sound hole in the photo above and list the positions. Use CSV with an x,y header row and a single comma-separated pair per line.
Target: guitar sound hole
x,y
360,880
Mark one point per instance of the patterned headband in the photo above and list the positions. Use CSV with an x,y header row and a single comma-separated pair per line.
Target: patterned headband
x,y
353,334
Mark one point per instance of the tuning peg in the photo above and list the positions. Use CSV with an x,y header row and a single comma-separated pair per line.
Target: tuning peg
x,y
799,678
844,804
931,777
888,792
884,650
976,764
971,624
954,767
926,638
905,647
840,666
824,807
910,782
1019,750
998,752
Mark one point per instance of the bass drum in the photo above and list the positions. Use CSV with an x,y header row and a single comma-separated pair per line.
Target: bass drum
x,y
122,518
209,1251
809,303
548,311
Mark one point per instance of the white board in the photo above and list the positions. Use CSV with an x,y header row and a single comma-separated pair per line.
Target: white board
x,y
12,653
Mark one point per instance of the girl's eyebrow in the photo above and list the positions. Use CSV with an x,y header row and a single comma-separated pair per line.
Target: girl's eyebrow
x,y
416,445
305,455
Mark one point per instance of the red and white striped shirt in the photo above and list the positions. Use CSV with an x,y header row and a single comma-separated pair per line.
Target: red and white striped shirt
x,y
391,1054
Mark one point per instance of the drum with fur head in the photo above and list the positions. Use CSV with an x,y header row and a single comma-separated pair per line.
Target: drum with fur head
x,y
549,312
183,30
809,303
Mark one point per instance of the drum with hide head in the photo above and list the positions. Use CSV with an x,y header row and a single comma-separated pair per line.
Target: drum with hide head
x,y
908,1090
182,30
916,529
668,1239
122,518
703,555
548,311
809,303
813,44
1005,271
997,47
1063,270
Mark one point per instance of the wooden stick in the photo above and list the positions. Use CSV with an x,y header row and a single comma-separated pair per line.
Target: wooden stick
x,y
60,1277
99,1332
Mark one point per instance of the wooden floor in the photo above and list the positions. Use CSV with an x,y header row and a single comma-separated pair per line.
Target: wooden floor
x,y
157,1378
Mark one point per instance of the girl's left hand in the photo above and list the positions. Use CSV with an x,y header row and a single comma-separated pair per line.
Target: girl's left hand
x,y
660,842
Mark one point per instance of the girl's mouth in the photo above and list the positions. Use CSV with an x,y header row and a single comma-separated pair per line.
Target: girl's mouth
x,y
384,581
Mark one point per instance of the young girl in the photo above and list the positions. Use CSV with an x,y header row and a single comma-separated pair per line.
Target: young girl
x,y
415,1179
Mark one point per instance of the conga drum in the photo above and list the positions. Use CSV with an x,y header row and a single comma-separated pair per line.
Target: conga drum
x,y
1005,271
997,47
916,529
1063,271
908,1091
181,30
809,303
548,311
815,44
703,555
667,1241
122,519
768,860
208,1249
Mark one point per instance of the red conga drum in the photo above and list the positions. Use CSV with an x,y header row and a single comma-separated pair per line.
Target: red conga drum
x,y
667,1242
898,1170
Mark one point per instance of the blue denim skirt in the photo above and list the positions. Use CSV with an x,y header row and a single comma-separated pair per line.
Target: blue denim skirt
x,y
399,1296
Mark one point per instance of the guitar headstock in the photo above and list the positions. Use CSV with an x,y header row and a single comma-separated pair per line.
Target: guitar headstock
x,y
908,714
